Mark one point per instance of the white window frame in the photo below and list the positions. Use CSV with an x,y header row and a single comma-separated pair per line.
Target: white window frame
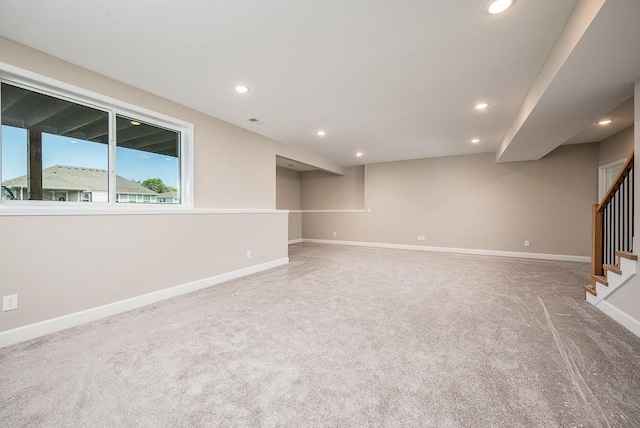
x,y
32,81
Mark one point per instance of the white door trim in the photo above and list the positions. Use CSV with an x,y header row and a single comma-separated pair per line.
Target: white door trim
x,y
602,176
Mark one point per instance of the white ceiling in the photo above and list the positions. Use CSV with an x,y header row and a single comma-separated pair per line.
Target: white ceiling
x,y
623,115
395,80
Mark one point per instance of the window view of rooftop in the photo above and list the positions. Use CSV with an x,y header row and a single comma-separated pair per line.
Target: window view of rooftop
x,y
58,150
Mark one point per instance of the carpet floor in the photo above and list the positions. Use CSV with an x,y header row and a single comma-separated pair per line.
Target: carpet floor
x,y
343,336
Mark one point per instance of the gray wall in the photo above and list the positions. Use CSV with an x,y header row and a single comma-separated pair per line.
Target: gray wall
x,y
288,198
116,257
321,190
468,202
65,264
616,147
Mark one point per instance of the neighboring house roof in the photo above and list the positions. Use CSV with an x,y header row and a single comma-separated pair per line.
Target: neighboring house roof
x,y
170,194
62,177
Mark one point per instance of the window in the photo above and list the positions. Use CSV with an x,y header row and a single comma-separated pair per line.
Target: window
x,y
149,157
63,147
49,143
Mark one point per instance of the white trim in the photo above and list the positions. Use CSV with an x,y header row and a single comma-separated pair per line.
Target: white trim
x,y
295,241
614,163
474,251
35,208
327,211
622,318
615,282
38,329
602,176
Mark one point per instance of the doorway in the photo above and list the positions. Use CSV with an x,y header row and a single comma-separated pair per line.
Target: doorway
x,y
607,174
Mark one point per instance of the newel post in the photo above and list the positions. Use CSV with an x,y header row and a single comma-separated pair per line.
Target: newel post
x,y
596,242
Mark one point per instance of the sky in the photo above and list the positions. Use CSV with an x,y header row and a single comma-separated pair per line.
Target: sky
x,y
132,164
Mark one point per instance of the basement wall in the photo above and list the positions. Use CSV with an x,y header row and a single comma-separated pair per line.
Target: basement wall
x,y
288,198
61,264
321,190
468,202
616,147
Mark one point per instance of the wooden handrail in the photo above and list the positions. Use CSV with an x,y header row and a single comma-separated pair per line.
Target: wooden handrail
x,y
628,165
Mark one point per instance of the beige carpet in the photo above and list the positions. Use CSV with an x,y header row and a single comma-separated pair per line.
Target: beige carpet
x,y
343,337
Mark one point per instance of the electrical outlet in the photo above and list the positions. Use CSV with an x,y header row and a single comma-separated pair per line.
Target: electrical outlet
x,y
335,234
368,210
9,303
526,243
248,254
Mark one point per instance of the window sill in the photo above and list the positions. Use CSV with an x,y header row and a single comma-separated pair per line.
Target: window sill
x,y
80,209
328,211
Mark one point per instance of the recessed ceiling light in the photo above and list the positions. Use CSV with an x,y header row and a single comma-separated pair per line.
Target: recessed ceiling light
x,y
604,122
481,106
242,89
499,6
475,140
321,133
135,123
359,154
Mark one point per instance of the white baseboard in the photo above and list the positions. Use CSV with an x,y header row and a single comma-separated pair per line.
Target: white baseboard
x,y
38,329
538,256
295,241
630,323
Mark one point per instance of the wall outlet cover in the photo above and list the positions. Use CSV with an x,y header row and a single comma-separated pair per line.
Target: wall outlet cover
x,y
9,303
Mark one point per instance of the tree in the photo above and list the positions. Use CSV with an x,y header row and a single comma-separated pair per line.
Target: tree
x,y
156,185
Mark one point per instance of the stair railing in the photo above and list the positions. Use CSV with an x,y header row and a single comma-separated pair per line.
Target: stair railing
x,y
613,221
